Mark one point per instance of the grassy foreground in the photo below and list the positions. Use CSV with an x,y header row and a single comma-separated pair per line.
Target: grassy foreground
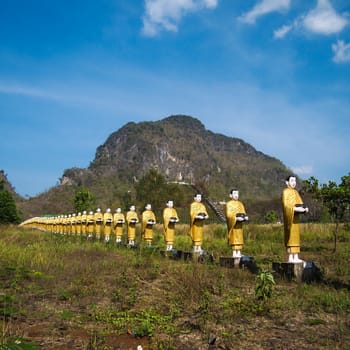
x,y
59,292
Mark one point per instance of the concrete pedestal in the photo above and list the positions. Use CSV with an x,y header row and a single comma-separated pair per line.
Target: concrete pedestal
x,y
300,272
172,254
229,262
244,262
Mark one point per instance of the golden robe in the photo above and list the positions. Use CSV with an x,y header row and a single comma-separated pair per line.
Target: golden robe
x,y
73,223
119,221
196,225
234,227
147,229
108,223
98,217
90,224
78,225
169,227
290,198
131,226
83,224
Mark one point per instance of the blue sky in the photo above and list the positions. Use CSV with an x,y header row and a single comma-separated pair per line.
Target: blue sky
x,y
275,73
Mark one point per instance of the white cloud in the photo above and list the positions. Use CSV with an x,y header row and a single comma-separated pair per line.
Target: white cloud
x,y
166,14
9,88
263,8
324,20
341,52
282,32
303,170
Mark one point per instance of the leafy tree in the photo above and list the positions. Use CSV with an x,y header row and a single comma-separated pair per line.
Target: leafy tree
x,y
83,200
8,210
151,188
154,189
336,198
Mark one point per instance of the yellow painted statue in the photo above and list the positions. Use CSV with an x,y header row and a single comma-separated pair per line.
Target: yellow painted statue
x,y
78,224
198,214
235,216
107,224
119,221
170,218
148,220
83,223
131,221
90,224
73,223
293,206
98,217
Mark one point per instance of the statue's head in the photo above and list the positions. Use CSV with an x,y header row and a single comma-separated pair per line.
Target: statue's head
x,y
170,204
148,207
132,208
198,197
118,210
291,181
234,194
108,210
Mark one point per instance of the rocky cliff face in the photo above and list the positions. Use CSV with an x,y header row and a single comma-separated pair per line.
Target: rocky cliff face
x,y
183,150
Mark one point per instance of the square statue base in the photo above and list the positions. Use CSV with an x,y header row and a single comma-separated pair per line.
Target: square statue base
x,y
244,262
300,272
173,254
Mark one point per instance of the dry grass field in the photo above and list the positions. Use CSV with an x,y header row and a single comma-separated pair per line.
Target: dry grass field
x,y
64,292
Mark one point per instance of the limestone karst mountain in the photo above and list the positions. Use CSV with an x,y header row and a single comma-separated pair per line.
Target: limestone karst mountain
x,y
183,151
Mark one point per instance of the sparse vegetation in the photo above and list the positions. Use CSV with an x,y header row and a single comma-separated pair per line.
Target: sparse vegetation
x,y
64,292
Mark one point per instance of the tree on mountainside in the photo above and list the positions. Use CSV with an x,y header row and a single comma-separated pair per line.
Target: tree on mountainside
x,y
336,198
8,210
83,200
153,188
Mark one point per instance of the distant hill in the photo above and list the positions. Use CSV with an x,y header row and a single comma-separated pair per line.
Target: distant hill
x,y
183,151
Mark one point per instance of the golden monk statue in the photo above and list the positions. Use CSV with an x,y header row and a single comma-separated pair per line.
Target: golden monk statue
x,y
78,224
148,220
292,208
98,217
119,221
198,213
235,216
83,223
170,218
131,221
107,224
73,223
90,224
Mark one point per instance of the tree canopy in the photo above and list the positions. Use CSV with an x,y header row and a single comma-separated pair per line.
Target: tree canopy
x,y
8,209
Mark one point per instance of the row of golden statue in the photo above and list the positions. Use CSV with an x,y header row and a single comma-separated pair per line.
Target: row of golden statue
x,y
98,224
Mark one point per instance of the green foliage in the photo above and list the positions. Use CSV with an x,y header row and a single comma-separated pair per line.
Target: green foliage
x,y
8,209
153,188
271,217
336,198
83,200
264,285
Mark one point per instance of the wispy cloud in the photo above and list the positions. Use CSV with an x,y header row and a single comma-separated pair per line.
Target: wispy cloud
x,y
10,88
341,52
263,8
303,170
166,14
283,31
323,19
